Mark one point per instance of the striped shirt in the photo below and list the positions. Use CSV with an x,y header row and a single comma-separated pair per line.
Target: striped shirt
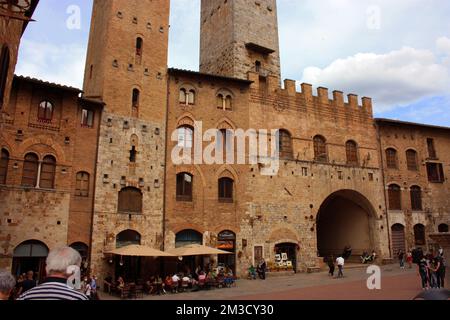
x,y
53,289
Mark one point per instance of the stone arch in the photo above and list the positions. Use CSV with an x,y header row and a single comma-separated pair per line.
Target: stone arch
x,y
346,218
225,91
188,226
186,119
47,142
227,171
193,170
225,123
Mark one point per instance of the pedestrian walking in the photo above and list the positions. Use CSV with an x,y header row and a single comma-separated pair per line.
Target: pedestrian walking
x,y
331,266
401,259
340,263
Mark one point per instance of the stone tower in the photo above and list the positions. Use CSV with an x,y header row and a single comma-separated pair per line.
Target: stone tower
x,y
238,36
126,69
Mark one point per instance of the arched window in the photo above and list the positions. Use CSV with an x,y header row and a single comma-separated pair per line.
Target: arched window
x,y
416,198
183,96
30,170
130,201
188,237
4,160
226,190
185,137
4,70
187,96
135,102
224,101
139,47
191,97
48,170
391,158
395,197
285,144
443,228
320,149
82,249
419,234
128,238
82,185
352,152
45,112
411,160
185,182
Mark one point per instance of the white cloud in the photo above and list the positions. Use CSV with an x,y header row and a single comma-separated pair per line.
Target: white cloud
x,y
396,78
63,64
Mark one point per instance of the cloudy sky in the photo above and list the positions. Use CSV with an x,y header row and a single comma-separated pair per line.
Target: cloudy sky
x,y
397,52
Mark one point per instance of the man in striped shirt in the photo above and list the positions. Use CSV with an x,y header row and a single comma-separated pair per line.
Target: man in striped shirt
x,y
56,286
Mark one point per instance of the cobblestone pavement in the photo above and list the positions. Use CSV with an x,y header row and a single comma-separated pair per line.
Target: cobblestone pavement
x,y
396,284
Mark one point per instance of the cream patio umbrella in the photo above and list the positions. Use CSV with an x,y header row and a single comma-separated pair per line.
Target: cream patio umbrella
x,y
195,250
139,251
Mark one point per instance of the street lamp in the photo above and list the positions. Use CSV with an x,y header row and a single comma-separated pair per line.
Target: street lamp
x,y
15,9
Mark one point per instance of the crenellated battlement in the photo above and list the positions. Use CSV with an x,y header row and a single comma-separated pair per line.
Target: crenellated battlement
x,y
321,99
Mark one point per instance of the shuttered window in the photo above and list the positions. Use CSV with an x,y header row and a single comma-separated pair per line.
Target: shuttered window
x,y
130,201
416,198
352,152
48,170
320,149
82,184
391,159
395,199
30,170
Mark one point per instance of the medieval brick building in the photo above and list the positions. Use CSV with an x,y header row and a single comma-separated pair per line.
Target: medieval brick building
x,y
95,168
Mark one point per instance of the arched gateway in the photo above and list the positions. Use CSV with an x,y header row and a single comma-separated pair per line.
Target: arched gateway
x,y
346,218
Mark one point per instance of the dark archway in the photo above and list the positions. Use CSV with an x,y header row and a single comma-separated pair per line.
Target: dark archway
x,y
286,255
30,256
128,268
345,219
185,238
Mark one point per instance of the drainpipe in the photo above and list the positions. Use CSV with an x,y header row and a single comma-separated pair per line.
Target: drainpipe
x,y
384,189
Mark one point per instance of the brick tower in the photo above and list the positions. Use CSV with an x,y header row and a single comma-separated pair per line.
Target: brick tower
x,y
238,36
126,70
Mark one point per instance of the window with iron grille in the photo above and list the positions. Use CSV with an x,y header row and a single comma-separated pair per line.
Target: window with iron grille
x,y
82,184
184,187
320,149
391,158
130,201
226,190
352,152
416,198
395,197
411,160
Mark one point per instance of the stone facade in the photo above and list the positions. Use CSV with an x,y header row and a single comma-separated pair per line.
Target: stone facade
x,y
130,79
311,206
235,34
54,215
435,207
